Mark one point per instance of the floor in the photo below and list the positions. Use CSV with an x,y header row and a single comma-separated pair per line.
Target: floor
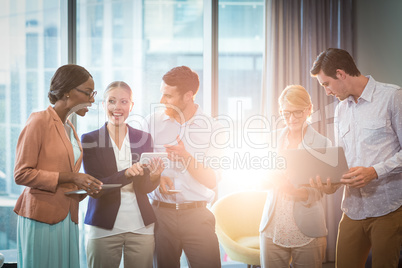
x,y
241,265
12,257
328,265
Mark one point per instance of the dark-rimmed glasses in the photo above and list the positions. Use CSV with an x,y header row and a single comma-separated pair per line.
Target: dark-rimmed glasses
x,y
90,95
296,114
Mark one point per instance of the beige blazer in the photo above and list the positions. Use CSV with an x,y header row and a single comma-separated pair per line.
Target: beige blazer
x,y
44,150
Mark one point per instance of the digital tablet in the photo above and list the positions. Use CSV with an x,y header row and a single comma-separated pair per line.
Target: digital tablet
x,y
174,191
104,187
303,164
146,157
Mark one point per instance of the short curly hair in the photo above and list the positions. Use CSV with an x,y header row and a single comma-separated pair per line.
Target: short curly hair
x,y
184,78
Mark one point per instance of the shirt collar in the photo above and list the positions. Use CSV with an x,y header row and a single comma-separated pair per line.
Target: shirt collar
x,y
368,91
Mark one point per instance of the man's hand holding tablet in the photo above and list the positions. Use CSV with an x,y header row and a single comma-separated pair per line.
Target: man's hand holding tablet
x,y
166,186
355,177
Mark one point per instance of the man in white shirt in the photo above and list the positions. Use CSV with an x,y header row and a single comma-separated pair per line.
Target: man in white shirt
x,y
368,125
184,223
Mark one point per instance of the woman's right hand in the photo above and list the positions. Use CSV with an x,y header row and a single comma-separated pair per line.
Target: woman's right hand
x,y
87,183
297,194
135,170
328,188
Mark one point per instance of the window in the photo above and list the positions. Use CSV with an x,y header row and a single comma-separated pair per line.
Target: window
x,y
137,42
241,45
32,40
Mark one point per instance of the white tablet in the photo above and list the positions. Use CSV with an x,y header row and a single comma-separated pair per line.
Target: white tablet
x,y
174,191
104,187
303,164
146,157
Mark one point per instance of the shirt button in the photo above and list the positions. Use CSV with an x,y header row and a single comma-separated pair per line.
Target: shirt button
x,y
363,193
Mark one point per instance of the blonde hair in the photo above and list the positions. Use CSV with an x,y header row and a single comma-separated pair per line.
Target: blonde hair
x,y
117,84
295,95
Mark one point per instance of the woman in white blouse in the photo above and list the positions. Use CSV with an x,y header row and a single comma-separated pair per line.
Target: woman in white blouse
x,y
121,220
293,226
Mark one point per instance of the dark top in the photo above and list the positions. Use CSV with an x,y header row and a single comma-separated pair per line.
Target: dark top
x,y
99,161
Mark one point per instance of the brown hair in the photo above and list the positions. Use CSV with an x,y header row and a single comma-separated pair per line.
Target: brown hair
x,y
183,78
333,59
117,84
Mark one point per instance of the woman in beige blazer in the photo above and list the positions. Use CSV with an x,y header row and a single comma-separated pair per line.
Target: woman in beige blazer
x,y
48,159
293,225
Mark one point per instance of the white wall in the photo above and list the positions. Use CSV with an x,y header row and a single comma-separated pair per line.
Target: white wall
x,y
378,39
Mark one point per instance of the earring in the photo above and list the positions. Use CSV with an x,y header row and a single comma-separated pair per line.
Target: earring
x,y
68,96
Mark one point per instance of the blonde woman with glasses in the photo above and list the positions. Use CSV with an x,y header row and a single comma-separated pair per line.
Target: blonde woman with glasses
x,y
293,226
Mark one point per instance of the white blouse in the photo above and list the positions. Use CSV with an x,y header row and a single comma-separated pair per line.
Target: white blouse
x,y
283,229
128,217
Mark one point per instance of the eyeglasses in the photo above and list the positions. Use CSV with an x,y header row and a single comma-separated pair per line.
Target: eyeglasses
x,y
296,114
90,95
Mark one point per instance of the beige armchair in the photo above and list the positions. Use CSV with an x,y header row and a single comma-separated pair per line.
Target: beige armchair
x,y
238,217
